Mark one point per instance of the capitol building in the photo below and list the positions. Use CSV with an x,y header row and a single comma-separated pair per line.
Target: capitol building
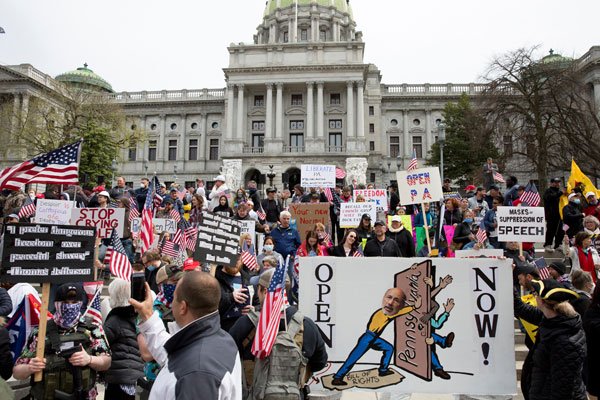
x,y
300,93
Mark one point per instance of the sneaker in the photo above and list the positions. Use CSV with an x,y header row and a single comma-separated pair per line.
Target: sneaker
x,y
386,372
441,373
339,382
549,249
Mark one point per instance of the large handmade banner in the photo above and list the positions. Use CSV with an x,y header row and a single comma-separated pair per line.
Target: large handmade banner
x,y
218,240
378,196
103,219
47,253
418,186
521,224
55,212
415,325
308,214
317,176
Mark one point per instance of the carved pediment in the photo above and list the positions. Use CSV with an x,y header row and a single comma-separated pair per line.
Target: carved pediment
x,y
335,110
295,111
416,130
257,112
393,129
213,132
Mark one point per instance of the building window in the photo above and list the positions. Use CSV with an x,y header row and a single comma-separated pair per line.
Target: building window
x,y
258,126
371,111
508,145
371,146
371,128
194,125
286,37
214,150
296,99
133,127
214,125
258,140
335,124
304,34
296,142
372,177
323,35
172,150
193,150
132,152
259,101
394,146
438,122
394,122
335,142
173,126
152,150
296,125
416,122
335,99
153,127
417,144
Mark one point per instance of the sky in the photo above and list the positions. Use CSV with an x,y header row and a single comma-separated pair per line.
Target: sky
x,y
156,44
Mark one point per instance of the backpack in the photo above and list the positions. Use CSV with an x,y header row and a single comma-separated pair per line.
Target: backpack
x,y
281,375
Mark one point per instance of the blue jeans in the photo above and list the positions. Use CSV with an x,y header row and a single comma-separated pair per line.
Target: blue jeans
x,y
441,341
368,340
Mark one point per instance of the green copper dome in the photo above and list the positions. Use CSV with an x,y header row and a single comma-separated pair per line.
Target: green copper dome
x,y
85,77
341,5
552,58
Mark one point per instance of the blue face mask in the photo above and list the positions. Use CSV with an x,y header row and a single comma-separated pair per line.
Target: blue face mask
x,y
151,268
577,201
268,247
468,220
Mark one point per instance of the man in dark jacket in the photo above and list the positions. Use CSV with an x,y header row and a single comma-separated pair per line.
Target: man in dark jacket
x,y
6,304
253,194
141,192
287,239
402,237
380,245
512,186
572,215
554,231
271,206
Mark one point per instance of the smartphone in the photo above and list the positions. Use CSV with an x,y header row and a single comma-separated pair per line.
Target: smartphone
x,y
138,287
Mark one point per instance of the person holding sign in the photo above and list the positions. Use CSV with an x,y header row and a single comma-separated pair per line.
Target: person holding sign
x,y
74,352
381,246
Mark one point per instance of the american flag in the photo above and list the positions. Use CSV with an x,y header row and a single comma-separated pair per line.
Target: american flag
x,y
133,209
531,196
498,177
113,203
357,253
452,195
60,166
174,214
481,233
28,208
261,213
412,165
542,267
169,248
270,315
91,288
339,173
191,235
147,227
117,259
249,257
93,310
328,194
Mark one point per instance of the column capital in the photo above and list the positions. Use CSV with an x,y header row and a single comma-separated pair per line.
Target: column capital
x,y
240,86
320,84
230,86
279,85
350,84
161,116
360,83
269,85
405,110
309,84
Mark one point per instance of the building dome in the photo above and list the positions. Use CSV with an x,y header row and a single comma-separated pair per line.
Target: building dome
x,y
85,78
341,5
555,58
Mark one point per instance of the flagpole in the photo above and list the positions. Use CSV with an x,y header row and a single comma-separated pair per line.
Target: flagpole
x,y
78,163
425,223
41,342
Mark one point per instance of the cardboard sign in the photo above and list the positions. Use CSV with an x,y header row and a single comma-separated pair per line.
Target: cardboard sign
x,y
350,213
160,225
379,196
249,227
218,240
489,253
36,253
54,212
317,176
418,186
308,214
347,298
104,219
521,224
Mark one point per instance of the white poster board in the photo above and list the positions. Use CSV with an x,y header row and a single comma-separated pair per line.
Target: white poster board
x,y
104,219
55,212
378,196
418,186
317,176
521,224
249,227
350,213
341,298
472,253
160,225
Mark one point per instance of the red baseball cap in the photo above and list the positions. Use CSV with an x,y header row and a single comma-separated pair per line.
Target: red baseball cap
x,y
470,188
190,264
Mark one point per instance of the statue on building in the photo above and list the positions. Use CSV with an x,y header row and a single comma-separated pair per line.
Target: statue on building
x,y
232,169
356,170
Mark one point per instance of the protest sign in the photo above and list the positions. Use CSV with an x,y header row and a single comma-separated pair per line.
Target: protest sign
x,y
308,214
418,186
490,253
317,176
36,253
54,212
379,196
160,225
350,213
250,228
521,224
104,219
218,240
335,293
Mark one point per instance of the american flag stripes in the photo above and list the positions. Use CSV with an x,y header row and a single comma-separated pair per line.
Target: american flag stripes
x,y
357,253
481,233
116,258
270,315
498,177
133,209
249,257
186,234
91,288
328,194
174,214
147,234
531,195
412,165
261,213
93,310
170,248
28,208
60,166
339,173
542,267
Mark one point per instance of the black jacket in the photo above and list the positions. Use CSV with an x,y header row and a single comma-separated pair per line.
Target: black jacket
x,y
551,203
573,218
462,233
387,248
405,242
452,217
338,251
591,326
6,361
313,346
227,300
364,234
127,365
6,304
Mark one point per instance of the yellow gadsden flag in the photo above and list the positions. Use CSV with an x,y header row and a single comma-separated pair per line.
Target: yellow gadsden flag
x,y
577,179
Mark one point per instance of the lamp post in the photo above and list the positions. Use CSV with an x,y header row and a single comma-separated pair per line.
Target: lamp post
x,y
114,168
442,141
271,175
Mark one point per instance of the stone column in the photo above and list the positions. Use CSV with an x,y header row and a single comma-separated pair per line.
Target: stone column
x,y
360,110
230,97
309,110
181,144
162,141
24,108
279,111
428,139
406,141
597,95
320,110
239,135
350,109
15,114
202,139
269,113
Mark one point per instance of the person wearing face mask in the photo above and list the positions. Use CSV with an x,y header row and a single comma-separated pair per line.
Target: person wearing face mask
x,y
463,233
592,205
141,192
152,262
584,256
572,215
72,347
269,250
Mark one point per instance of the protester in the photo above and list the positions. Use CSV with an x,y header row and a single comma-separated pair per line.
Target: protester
x,y
219,189
584,256
452,215
223,208
325,240
583,285
298,194
310,246
490,222
591,225
512,186
198,207
554,231
235,298
364,229
558,272
269,250
402,237
177,203
463,233
6,304
419,222
286,238
119,189
141,193
592,208
240,197
572,215
591,326
243,214
120,328
349,246
489,169
381,245
271,206
493,192
152,261
478,204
